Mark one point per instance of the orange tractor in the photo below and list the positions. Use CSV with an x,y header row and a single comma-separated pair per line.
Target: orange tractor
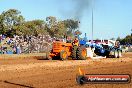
x,y
62,50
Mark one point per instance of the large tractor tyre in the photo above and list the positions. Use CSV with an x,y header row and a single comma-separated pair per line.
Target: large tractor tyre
x,y
81,53
119,53
115,54
74,52
63,55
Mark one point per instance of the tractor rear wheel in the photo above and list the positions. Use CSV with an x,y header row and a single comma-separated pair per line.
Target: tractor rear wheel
x,y
81,53
63,55
74,52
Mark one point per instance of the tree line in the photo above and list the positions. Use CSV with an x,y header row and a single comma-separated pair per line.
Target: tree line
x,y
13,23
125,41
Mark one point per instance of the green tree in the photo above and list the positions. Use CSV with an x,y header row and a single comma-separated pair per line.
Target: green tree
x,y
60,29
8,20
119,39
71,25
2,26
34,27
126,40
54,27
51,25
12,22
51,21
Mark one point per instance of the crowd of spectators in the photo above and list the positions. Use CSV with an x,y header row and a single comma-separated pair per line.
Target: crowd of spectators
x,y
25,44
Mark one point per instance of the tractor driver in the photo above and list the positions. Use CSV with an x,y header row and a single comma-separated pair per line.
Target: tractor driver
x,y
76,41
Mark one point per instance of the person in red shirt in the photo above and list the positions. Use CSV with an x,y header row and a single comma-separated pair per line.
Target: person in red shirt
x,y
76,41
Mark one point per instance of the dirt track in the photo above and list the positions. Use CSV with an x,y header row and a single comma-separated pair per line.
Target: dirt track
x,y
33,73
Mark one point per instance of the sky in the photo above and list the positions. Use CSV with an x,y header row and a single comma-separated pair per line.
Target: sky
x,y
112,18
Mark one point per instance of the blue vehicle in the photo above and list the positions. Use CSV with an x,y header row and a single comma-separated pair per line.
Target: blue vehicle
x,y
108,51
83,41
102,49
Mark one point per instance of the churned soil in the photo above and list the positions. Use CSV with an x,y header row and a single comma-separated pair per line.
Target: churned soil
x,y
29,72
